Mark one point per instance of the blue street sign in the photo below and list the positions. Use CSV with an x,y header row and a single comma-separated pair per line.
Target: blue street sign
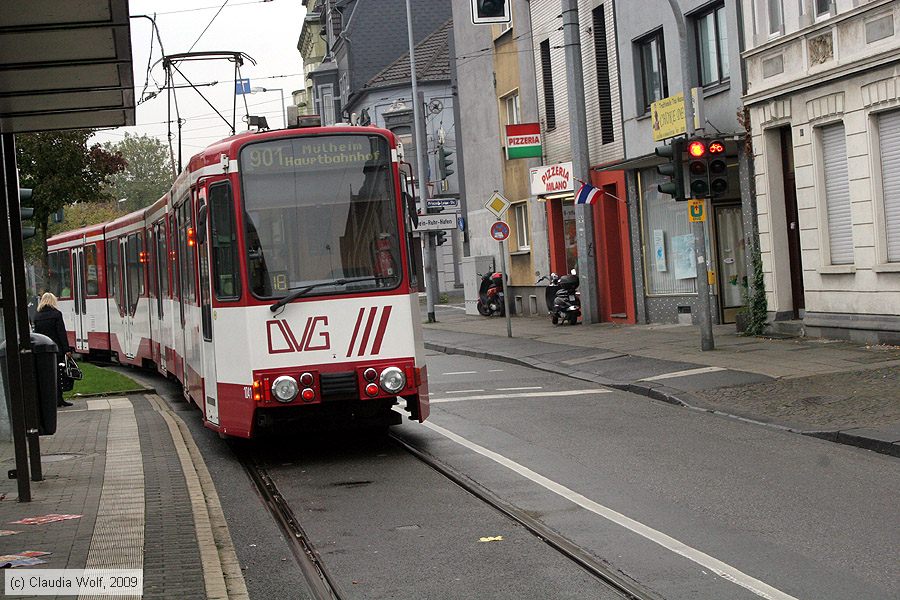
x,y
241,86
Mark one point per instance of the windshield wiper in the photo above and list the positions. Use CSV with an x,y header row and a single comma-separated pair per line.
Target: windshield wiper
x,y
308,288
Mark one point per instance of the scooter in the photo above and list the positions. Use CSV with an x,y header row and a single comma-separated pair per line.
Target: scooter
x,y
563,299
490,295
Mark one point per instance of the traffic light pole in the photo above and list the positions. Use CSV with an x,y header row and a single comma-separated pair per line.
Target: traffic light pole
x,y
704,313
418,119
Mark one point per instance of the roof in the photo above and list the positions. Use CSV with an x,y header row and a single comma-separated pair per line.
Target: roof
x,y
432,61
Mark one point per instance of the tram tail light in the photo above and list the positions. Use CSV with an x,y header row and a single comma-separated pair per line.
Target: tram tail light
x,y
191,237
257,390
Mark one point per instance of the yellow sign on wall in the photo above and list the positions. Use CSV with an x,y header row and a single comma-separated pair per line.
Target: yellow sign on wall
x,y
667,116
696,211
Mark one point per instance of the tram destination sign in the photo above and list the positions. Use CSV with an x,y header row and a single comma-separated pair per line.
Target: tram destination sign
x,y
314,153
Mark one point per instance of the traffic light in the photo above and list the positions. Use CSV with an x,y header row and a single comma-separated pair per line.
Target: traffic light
x,y
444,162
698,168
25,212
490,11
672,169
440,237
718,169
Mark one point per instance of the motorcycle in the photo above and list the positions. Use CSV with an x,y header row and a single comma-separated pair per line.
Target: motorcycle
x,y
490,295
563,299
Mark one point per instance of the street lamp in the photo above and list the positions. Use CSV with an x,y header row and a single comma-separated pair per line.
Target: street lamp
x,y
255,90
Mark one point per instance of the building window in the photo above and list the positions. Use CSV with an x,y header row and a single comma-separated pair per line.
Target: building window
x,y
823,7
837,194
651,58
511,102
547,78
604,87
326,98
889,141
712,46
776,17
521,215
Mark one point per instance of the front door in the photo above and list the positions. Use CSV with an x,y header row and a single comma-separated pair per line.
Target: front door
x,y
207,348
793,223
732,261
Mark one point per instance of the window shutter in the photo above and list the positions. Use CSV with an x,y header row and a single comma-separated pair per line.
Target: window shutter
x,y
837,194
889,136
547,79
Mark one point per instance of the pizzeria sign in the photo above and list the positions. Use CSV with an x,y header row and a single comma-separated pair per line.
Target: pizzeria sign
x,y
523,141
552,179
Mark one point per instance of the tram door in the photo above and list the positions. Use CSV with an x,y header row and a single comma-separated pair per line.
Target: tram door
x,y
134,283
207,347
80,301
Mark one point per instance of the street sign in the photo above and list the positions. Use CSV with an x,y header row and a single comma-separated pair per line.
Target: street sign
x,y
696,211
497,204
242,86
445,203
499,231
437,222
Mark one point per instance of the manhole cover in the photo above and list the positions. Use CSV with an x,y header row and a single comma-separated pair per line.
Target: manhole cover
x,y
58,457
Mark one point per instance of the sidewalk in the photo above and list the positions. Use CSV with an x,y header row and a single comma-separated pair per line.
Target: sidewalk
x,y
840,391
135,494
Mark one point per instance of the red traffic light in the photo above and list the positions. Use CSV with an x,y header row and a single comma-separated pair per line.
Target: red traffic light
x,y
716,147
696,149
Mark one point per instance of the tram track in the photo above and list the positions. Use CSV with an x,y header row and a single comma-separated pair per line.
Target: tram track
x,y
321,586
629,589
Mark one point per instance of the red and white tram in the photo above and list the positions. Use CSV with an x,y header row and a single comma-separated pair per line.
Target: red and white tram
x,y
273,281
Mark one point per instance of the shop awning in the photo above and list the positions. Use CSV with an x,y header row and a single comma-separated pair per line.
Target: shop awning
x,y
65,65
641,162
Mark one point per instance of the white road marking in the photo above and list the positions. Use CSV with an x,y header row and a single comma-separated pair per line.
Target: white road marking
x,y
495,370
723,570
516,389
522,395
463,391
684,373
460,373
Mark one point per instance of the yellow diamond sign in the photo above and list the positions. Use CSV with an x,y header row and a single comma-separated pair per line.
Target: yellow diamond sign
x,y
497,204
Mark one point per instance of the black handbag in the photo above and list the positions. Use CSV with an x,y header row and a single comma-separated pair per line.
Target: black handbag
x,y
72,370
66,383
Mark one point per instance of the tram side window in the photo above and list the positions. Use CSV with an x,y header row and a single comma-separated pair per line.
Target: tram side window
x,y
112,270
92,276
132,271
59,280
226,278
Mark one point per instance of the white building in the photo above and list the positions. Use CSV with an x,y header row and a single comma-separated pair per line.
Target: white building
x,y
823,89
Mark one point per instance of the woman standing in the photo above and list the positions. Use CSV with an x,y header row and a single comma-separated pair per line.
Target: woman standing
x,y
49,321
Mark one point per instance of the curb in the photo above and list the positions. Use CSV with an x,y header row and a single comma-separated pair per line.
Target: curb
x,y
675,397
119,393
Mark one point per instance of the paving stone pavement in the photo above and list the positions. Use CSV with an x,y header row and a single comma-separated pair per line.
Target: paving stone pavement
x,y
75,469
837,390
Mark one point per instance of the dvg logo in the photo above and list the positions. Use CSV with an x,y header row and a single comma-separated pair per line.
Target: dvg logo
x,y
491,8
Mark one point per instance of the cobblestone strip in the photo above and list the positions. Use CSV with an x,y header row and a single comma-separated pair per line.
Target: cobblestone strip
x,y
118,539
221,570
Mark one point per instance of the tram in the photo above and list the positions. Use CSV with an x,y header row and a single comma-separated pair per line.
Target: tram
x,y
274,281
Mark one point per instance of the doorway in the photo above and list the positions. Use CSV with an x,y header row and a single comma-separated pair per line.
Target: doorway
x,y
732,263
792,222
612,251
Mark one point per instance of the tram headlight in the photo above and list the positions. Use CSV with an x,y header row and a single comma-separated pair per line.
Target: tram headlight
x,y
285,388
392,380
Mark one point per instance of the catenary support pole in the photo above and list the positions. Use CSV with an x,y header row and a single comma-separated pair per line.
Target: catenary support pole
x,y
421,148
704,312
584,218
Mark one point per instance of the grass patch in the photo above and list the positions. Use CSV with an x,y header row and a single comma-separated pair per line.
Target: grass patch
x,y
98,380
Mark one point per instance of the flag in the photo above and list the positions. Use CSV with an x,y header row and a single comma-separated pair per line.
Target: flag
x,y
587,194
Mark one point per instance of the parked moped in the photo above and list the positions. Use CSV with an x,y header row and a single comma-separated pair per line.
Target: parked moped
x,y
563,298
490,295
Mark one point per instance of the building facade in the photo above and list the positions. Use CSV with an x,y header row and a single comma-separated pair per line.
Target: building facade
x,y
823,93
663,249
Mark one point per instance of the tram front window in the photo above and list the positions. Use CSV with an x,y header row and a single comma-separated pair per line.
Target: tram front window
x,y
317,210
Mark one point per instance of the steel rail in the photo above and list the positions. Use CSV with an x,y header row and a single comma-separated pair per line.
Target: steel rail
x,y
321,586
630,589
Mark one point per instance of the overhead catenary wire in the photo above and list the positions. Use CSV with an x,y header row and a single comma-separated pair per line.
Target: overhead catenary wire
x,y
207,26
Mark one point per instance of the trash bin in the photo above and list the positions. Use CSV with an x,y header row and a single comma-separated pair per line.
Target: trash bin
x,y
44,351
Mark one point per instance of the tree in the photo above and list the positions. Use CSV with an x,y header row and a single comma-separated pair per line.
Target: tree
x,y
62,169
148,174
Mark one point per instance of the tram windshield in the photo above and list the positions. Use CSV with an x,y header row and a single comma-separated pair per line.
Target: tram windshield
x,y
318,210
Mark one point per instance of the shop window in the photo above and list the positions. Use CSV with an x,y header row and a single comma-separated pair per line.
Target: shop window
x,y
712,46
670,265
652,64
